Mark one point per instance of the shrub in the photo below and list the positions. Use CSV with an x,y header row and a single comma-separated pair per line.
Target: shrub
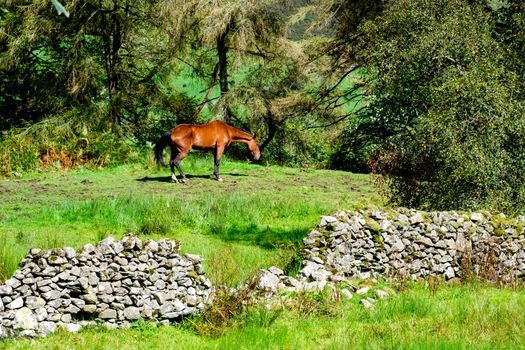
x,y
446,108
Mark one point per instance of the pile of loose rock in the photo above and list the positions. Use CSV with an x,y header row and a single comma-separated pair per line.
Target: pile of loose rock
x,y
409,244
112,284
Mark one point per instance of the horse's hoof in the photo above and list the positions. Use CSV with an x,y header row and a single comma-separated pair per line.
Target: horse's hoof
x,y
219,179
184,180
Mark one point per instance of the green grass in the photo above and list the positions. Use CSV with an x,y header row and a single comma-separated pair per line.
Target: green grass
x,y
255,218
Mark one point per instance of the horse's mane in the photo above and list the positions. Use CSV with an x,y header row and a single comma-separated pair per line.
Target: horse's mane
x,y
242,129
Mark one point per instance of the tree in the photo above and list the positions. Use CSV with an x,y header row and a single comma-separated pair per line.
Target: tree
x,y
223,34
106,55
445,107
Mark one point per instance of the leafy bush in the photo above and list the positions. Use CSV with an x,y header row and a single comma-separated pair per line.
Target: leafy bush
x,y
445,114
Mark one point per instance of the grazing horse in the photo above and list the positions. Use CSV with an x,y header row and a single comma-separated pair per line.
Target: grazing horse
x,y
215,135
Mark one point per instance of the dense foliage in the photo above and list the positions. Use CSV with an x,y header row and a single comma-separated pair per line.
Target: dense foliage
x,y
444,122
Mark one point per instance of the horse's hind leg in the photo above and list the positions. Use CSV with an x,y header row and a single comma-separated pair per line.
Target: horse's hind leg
x,y
173,158
177,161
172,166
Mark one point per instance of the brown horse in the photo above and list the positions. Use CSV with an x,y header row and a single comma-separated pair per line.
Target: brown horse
x,y
215,135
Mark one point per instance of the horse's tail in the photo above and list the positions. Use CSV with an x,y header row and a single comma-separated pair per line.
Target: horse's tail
x,y
160,145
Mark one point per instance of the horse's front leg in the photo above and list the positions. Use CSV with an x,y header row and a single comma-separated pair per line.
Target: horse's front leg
x,y
217,162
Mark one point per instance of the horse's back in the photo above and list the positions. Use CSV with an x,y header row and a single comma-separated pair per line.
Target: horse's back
x,y
200,135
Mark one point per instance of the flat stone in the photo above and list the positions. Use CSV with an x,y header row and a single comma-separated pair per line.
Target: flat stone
x,y
362,291
6,290
13,282
72,327
25,319
108,314
267,281
131,313
367,304
45,328
51,295
56,260
381,294
28,333
476,217
33,302
5,332
15,304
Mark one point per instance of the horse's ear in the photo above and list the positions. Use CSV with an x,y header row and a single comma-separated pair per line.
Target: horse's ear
x,y
254,136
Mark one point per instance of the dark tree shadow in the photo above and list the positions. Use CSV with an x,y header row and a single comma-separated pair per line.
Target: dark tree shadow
x,y
264,237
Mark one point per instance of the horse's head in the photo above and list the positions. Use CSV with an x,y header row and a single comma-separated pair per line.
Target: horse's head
x,y
253,146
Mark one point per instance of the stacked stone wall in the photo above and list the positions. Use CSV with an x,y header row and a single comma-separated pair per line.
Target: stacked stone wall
x,y
414,244
113,284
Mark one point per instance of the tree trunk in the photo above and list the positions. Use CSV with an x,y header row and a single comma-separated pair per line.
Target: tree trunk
x,y
272,130
222,51
112,45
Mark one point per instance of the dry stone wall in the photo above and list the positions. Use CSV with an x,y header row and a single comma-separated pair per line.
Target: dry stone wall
x,y
405,243
113,283
415,244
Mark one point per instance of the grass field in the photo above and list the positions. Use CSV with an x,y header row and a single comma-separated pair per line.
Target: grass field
x,y
255,218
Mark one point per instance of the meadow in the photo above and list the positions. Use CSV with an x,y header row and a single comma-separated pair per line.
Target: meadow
x,y
254,219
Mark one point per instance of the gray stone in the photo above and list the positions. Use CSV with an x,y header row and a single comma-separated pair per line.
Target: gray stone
x,y
33,302
5,332
178,305
367,304
381,294
346,293
72,327
25,319
13,282
476,217
90,298
52,295
449,273
56,260
70,252
15,304
6,290
267,281
27,333
131,313
89,308
276,271
108,314
362,291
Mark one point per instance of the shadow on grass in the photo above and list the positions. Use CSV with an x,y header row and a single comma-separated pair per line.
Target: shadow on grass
x,y
264,237
188,176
